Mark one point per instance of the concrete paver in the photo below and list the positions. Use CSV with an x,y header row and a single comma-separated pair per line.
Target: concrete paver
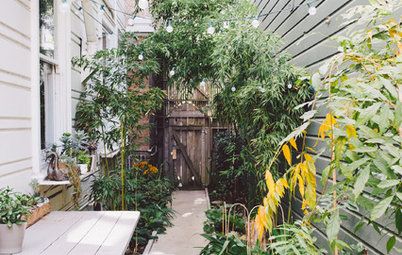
x,y
184,237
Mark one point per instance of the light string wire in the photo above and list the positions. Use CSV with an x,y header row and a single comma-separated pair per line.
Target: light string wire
x,y
101,5
291,8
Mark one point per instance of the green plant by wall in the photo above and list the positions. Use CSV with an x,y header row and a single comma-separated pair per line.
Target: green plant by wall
x,y
146,191
259,88
361,88
116,97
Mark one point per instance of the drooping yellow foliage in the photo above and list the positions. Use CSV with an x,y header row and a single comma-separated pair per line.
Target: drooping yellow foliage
x,y
266,212
287,154
351,131
326,126
303,176
293,143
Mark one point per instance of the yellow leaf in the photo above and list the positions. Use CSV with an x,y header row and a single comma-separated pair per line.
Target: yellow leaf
x,y
304,169
351,131
283,182
308,157
399,48
293,143
269,181
301,186
287,154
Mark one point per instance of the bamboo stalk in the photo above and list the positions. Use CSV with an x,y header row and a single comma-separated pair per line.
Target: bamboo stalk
x,y
122,163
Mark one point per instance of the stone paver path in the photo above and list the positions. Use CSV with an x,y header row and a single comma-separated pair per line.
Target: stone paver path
x,y
184,238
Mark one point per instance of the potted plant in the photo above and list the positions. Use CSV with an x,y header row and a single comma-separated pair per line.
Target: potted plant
x,y
84,161
41,206
14,209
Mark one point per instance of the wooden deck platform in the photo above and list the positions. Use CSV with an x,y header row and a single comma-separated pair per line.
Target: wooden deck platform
x,y
81,233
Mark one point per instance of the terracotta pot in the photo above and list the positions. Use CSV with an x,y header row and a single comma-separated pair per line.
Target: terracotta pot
x,y
11,239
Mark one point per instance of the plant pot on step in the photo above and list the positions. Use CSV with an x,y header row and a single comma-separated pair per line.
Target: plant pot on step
x,y
11,238
39,211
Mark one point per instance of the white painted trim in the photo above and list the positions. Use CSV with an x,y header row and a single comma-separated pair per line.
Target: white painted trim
x,y
35,91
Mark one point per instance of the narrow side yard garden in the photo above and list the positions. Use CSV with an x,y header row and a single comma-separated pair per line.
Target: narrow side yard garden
x,y
262,169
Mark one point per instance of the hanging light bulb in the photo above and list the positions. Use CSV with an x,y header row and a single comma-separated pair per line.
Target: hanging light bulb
x,y
169,27
171,73
143,4
102,10
233,89
312,10
141,56
211,29
290,85
130,22
255,23
64,6
203,83
225,24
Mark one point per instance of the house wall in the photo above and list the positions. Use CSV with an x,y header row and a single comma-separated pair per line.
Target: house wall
x,y
15,93
308,39
20,153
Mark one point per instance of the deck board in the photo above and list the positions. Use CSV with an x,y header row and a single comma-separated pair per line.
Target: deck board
x,y
81,233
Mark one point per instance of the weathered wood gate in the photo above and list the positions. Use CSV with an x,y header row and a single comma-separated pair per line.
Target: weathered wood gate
x,y
187,145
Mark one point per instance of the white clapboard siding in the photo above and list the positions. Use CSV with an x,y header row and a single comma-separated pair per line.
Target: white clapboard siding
x,y
309,40
15,95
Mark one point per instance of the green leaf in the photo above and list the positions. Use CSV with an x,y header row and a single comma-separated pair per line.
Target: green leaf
x,y
316,81
380,208
361,181
388,183
391,88
325,174
398,220
333,226
391,242
397,169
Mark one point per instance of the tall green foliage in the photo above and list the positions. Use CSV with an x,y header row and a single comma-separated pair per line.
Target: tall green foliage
x,y
188,49
116,96
259,88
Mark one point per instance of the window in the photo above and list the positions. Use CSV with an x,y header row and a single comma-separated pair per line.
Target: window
x,y
47,28
47,50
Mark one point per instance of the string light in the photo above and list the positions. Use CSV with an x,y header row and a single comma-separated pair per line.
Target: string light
x,y
169,27
211,29
312,10
171,73
255,23
290,85
130,22
203,83
233,89
141,57
143,4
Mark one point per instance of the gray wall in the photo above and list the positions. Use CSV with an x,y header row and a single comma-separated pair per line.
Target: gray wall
x,y
308,40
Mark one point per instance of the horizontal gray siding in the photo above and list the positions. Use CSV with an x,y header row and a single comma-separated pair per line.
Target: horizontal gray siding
x,y
308,39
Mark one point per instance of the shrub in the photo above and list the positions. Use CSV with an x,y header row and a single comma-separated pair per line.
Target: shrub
x,y
146,192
